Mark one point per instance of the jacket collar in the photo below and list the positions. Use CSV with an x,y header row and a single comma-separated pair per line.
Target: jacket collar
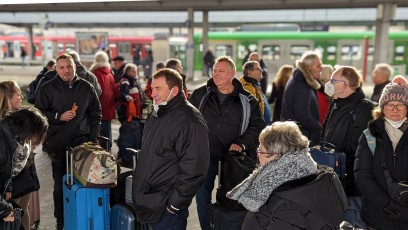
x,y
172,104
302,72
351,100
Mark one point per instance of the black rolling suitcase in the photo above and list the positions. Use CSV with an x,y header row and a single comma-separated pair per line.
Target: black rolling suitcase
x,y
221,218
123,213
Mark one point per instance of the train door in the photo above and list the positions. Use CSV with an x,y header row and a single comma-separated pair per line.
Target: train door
x,y
328,49
400,57
16,49
280,52
350,53
124,50
178,49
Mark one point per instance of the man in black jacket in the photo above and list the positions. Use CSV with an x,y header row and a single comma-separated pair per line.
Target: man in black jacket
x,y
174,156
234,121
74,113
348,116
83,73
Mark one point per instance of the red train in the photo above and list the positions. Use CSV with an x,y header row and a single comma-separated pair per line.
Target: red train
x,y
52,46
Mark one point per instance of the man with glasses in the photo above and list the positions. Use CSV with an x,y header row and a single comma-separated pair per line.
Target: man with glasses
x,y
251,82
234,121
348,116
299,102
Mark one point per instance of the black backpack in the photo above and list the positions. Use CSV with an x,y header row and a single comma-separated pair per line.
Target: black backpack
x,y
235,168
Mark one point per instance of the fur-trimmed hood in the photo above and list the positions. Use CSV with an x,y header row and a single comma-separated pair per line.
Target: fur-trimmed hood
x,y
97,65
313,83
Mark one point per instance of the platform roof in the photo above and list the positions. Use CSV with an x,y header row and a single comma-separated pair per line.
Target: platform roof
x,y
182,5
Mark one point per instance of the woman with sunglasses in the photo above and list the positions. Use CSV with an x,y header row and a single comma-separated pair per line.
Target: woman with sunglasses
x,y
289,190
389,150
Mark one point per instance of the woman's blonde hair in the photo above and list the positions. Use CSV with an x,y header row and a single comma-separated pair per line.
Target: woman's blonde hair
x,y
282,137
284,73
7,90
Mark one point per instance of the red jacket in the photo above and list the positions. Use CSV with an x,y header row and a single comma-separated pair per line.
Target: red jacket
x,y
107,98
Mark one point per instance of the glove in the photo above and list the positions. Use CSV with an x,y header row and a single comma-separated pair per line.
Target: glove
x,y
129,98
396,212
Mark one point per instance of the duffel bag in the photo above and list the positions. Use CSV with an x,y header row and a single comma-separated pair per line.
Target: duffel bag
x,y
94,167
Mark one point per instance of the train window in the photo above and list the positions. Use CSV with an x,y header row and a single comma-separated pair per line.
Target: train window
x,y
331,53
223,50
350,52
296,51
241,51
399,53
271,52
69,47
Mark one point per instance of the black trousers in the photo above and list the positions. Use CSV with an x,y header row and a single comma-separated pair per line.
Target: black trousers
x,y
58,163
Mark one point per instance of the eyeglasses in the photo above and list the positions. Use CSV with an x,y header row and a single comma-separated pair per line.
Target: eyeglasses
x,y
259,69
335,80
259,152
399,107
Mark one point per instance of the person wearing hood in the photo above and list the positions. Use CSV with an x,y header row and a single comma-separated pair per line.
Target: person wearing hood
x,y
348,116
72,108
174,157
381,161
234,122
102,70
83,73
299,98
289,190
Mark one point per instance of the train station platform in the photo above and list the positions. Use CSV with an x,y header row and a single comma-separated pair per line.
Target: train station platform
x,y
23,76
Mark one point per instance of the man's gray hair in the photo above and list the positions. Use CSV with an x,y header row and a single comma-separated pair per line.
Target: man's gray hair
x,y
309,57
384,68
74,55
282,137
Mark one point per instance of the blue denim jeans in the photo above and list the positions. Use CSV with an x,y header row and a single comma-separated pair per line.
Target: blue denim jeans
x,y
203,195
172,222
356,202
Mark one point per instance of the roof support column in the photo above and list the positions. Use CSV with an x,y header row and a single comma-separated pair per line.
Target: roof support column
x,y
385,13
205,39
190,44
31,49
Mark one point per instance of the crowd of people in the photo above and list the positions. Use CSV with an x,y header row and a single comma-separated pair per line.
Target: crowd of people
x,y
188,132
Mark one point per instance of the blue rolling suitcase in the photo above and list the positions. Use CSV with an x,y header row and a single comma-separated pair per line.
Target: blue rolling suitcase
x,y
122,218
330,157
84,208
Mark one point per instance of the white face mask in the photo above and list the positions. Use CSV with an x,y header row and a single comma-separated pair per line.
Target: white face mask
x,y
329,89
396,124
156,106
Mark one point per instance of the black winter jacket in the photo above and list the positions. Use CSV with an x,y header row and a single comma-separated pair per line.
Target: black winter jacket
x,y
344,123
237,120
87,75
8,146
54,98
300,104
370,176
302,204
173,160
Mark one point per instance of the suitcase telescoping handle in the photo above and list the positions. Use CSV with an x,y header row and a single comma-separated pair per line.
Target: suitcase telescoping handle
x,y
135,156
70,166
106,141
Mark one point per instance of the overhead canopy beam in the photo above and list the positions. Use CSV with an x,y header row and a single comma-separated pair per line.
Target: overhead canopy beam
x,y
183,5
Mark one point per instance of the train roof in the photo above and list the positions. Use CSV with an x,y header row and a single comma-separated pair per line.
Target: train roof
x,y
245,35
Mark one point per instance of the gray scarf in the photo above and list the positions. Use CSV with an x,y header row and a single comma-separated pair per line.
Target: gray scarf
x,y
255,190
